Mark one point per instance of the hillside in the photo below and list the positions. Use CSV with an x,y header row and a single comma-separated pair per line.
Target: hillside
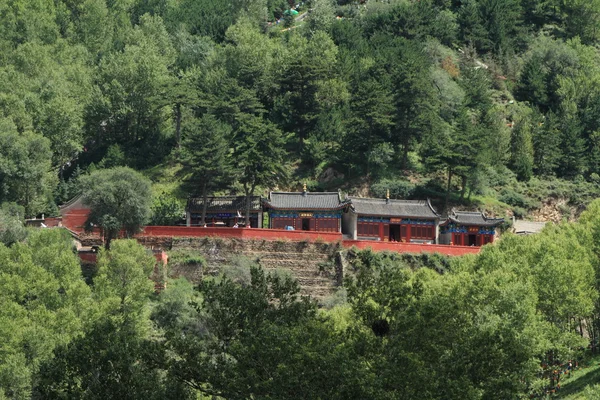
x,y
480,104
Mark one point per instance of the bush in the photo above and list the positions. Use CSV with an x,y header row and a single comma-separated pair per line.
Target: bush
x,y
12,229
519,212
515,199
431,188
399,189
166,210
187,257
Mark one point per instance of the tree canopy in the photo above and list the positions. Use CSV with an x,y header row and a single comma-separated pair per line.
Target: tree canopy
x,y
119,199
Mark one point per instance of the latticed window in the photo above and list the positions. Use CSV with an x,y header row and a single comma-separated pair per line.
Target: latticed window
x,y
281,223
327,225
368,229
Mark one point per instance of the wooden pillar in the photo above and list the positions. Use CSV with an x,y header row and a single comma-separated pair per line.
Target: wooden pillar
x,y
381,231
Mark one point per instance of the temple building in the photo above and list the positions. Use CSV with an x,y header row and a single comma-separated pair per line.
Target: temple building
x,y
409,221
463,228
306,211
224,211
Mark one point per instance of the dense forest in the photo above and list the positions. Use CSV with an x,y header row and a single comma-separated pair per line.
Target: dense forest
x,y
462,101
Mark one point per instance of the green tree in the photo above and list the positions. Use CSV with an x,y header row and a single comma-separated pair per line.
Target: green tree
x,y
546,139
130,106
321,16
119,199
259,155
207,153
112,358
582,19
370,122
166,210
279,343
521,158
25,168
12,229
45,304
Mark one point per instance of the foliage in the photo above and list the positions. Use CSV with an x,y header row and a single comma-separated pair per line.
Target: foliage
x,y
166,210
45,305
398,189
111,359
12,229
119,199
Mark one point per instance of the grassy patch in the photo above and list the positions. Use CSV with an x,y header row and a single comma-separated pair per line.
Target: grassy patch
x,y
587,374
167,178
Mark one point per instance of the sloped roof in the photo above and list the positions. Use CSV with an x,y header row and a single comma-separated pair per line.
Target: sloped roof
x,y
305,201
473,218
222,203
74,203
393,208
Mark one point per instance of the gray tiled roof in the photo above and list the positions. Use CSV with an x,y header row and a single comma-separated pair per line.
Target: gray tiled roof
x,y
392,208
305,201
473,218
222,203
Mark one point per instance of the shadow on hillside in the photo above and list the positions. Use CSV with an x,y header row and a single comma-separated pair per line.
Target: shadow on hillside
x,y
577,385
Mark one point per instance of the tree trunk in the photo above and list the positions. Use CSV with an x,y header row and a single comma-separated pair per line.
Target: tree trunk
x,y
464,187
248,194
405,142
204,205
107,240
178,126
445,208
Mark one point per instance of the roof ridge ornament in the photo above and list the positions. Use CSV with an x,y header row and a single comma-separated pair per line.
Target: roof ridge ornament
x,y
387,196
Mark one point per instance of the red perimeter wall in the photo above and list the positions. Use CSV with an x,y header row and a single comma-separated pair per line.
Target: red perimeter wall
x,y
241,233
278,234
412,247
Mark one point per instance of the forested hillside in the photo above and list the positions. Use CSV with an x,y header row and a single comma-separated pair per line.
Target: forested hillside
x,y
484,99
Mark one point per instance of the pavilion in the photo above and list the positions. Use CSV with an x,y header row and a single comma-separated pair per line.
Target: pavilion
x,y
224,211
464,228
410,221
307,211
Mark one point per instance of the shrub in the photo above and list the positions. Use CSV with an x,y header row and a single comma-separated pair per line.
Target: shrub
x,y
515,199
187,257
519,212
399,189
166,210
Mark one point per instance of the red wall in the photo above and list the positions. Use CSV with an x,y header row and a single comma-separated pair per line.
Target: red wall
x,y
88,256
275,234
246,233
75,219
412,247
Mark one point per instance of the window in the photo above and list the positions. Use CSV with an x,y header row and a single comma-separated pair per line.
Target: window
x,y
281,223
368,229
328,225
421,232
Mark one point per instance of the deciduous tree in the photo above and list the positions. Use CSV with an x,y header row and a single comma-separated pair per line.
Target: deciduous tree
x,y
119,199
